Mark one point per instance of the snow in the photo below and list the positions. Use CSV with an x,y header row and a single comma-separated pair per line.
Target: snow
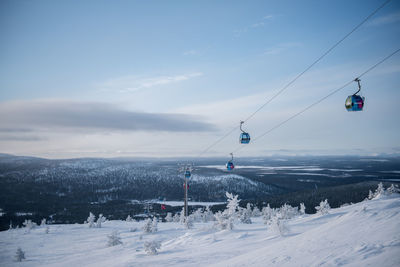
x,y
362,234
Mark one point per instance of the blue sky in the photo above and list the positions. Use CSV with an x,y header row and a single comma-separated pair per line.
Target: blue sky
x,y
168,78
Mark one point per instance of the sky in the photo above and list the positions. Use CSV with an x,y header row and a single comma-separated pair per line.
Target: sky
x,y
170,78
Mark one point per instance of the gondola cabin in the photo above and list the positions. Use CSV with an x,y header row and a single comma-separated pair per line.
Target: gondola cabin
x,y
354,103
187,174
244,138
230,166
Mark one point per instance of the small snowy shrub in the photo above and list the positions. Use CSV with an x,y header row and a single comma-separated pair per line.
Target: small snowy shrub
x,y
19,255
129,218
182,216
233,204
169,218
198,215
323,207
154,225
288,212
151,247
224,221
100,220
114,239
147,226
43,222
208,215
91,219
267,213
302,209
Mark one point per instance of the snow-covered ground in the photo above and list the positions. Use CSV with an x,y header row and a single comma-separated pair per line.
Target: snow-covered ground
x,y
362,234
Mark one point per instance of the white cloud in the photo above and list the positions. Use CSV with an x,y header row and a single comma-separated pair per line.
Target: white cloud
x,y
191,52
387,19
134,83
280,48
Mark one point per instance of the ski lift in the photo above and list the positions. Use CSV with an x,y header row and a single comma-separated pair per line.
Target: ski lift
x,y
244,137
355,102
229,164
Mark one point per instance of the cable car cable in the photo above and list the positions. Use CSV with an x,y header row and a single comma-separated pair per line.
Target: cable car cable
x,y
298,76
322,99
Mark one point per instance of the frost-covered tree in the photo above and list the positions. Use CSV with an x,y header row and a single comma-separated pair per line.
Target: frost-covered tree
x,y
233,204
169,218
100,220
392,189
280,226
151,247
256,212
267,213
288,212
370,195
224,221
189,222
147,226
380,190
208,215
19,255
245,214
43,222
129,218
154,225
182,216
323,207
302,209
176,218
91,219
198,215
114,239
28,224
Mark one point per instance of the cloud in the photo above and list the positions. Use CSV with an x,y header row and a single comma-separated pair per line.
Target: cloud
x,y
59,115
134,83
387,19
261,23
280,48
191,52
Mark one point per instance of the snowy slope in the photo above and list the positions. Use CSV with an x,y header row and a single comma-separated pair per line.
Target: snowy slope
x,y
363,234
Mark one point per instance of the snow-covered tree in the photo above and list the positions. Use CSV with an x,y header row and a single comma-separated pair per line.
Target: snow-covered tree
x,y
323,207
267,213
147,226
29,224
198,215
370,195
256,212
233,204
43,222
189,222
154,225
151,247
288,212
176,217
182,216
245,214
114,239
91,219
208,215
302,209
380,190
100,220
392,189
169,218
224,221
19,255
129,218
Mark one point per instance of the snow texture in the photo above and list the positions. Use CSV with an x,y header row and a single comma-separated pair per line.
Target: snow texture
x,y
362,234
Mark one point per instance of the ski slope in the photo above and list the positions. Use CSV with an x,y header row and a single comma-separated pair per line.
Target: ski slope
x,y
362,234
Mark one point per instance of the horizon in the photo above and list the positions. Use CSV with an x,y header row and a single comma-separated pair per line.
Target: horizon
x,y
100,79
